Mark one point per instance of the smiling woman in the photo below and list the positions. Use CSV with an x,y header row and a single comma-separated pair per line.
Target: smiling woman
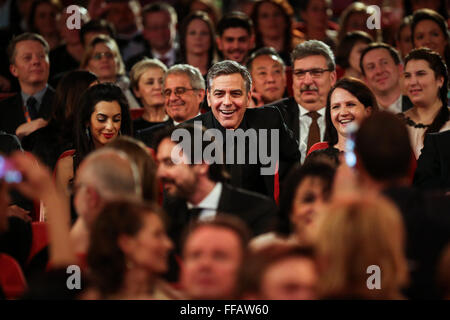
x,y
426,84
102,116
349,102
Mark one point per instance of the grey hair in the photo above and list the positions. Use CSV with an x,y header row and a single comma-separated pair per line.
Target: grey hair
x,y
229,67
314,48
114,173
195,76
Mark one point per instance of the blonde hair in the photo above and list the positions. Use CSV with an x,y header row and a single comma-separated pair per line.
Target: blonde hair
x,y
111,44
353,235
141,67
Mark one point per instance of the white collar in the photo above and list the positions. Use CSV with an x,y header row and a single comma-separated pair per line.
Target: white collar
x,y
304,111
211,201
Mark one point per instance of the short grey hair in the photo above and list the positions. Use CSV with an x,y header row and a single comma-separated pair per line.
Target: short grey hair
x,y
229,67
195,76
141,67
314,48
114,173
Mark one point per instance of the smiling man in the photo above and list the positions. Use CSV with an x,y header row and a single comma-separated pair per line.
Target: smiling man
x,y
28,56
382,69
314,73
235,37
228,94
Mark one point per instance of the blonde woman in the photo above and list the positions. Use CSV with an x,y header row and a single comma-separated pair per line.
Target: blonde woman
x,y
354,234
146,81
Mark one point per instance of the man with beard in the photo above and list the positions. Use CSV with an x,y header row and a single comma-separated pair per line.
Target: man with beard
x,y
313,75
195,190
235,37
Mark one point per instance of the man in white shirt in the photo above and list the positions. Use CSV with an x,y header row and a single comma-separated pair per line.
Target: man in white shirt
x,y
313,75
382,69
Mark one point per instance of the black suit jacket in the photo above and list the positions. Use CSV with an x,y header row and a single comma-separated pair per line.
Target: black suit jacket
x,y
290,112
248,176
433,165
256,211
11,111
148,135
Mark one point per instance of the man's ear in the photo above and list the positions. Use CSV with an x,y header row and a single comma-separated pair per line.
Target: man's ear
x,y
333,77
202,168
201,94
13,70
207,98
94,201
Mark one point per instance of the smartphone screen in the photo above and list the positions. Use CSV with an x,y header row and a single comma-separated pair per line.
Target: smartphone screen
x,y
350,157
8,172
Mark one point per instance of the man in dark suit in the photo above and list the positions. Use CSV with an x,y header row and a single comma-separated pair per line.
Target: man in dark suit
x,y
261,130
313,75
195,189
382,68
433,166
159,21
384,153
28,56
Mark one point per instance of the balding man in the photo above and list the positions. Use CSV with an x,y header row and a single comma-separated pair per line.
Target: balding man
x,y
104,175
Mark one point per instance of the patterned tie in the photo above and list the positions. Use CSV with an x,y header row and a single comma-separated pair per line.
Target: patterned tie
x,y
314,131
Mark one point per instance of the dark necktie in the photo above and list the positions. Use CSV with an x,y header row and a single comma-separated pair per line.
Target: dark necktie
x,y
165,60
31,106
314,131
194,213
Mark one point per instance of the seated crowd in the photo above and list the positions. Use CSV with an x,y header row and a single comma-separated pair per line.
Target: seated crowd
x,y
275,151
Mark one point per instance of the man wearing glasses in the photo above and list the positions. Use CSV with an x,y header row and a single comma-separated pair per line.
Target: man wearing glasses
x,y
313,75
183,91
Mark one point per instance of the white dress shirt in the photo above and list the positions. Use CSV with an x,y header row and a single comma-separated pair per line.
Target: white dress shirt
x,y
209,204
170,56
305,122
396,107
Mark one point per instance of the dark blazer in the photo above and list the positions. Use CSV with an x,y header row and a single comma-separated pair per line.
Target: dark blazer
x,y
256,211
248,176
290,112
11,110
147,135
433,165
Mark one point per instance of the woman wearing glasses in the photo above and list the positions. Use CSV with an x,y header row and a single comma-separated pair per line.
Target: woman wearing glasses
x,y
102,57
146,81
